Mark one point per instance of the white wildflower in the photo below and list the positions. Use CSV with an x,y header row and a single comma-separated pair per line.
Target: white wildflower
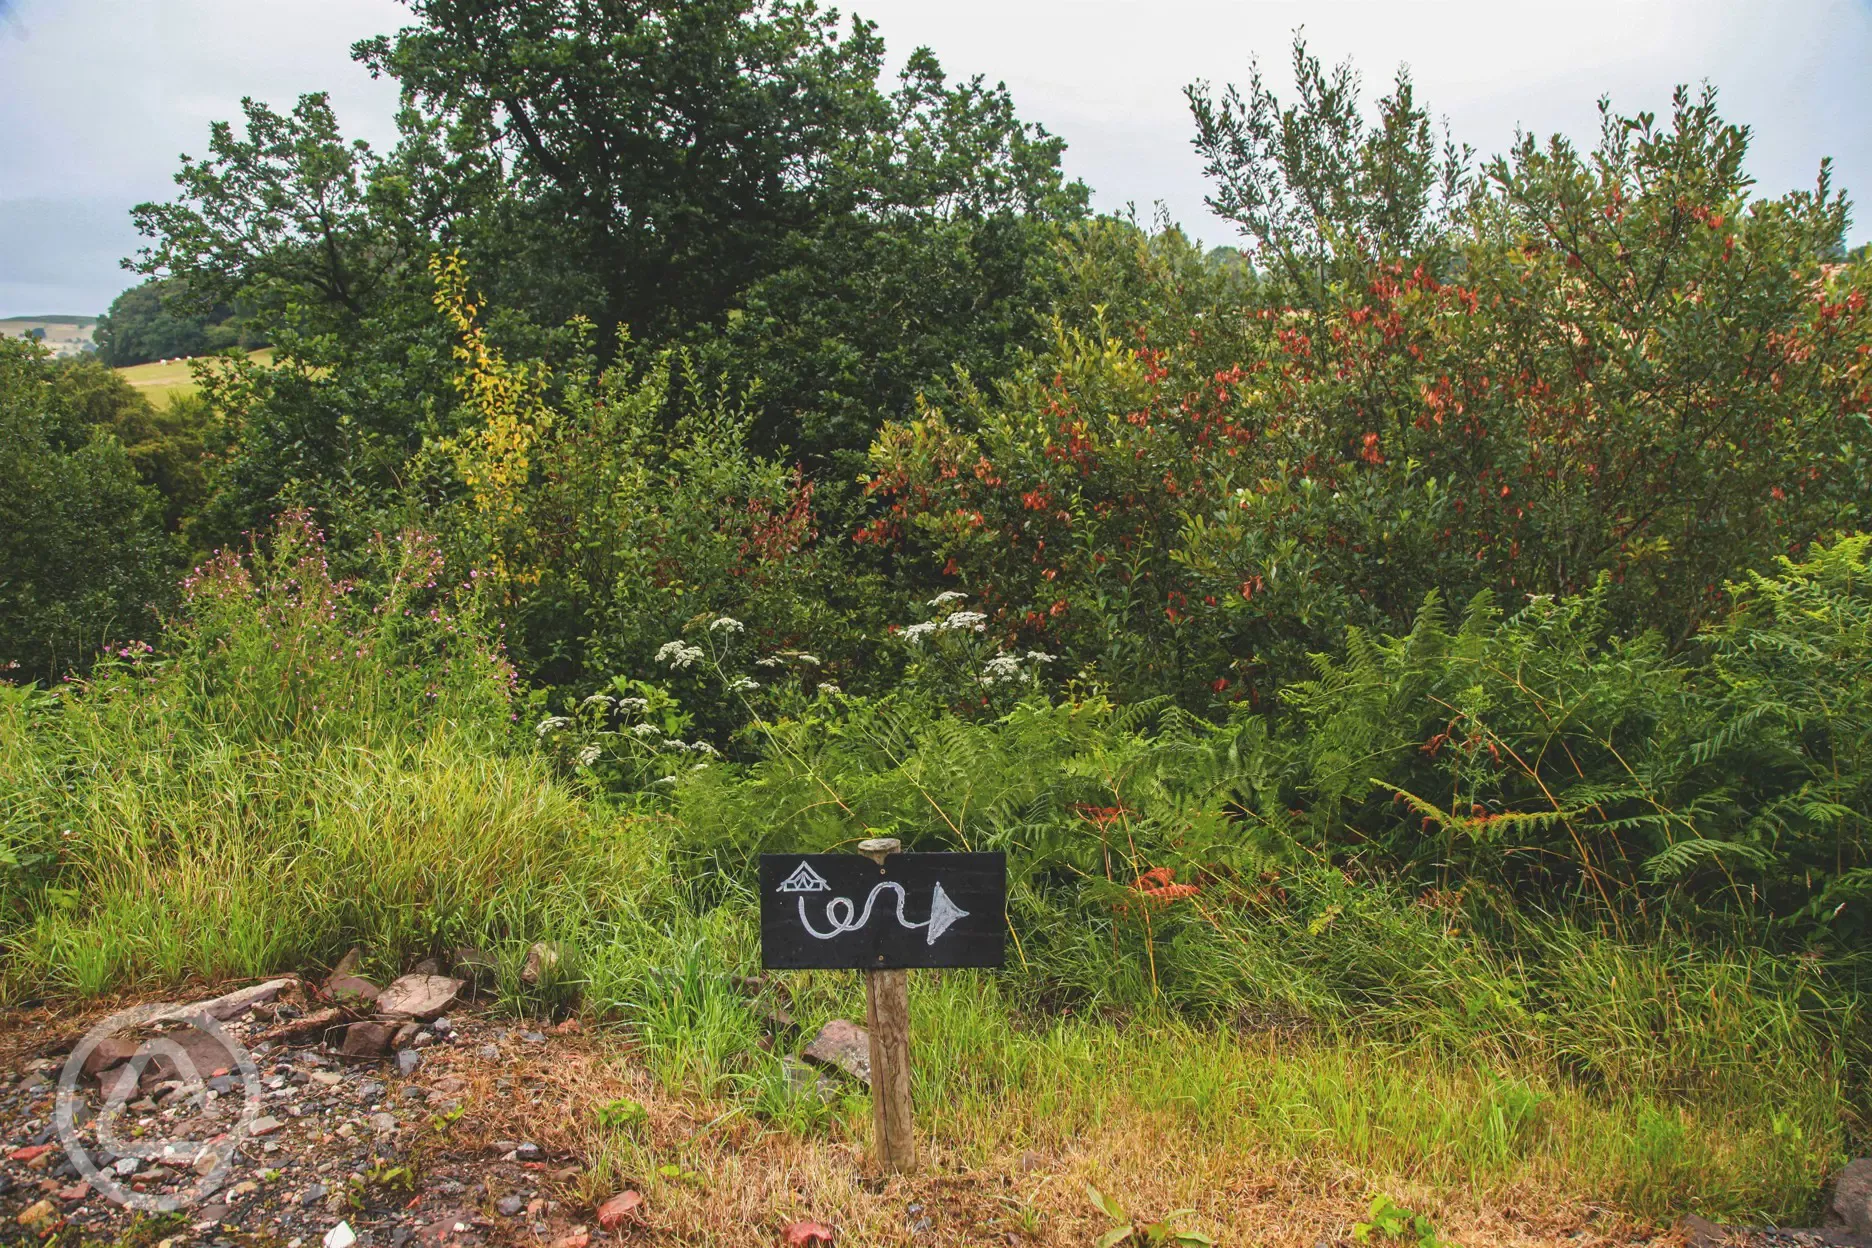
x,y
644,731
640,705
665,780
813,659
946,597
744,684
828,687
698,767
727,623
769,661
703,747
678,654
596,699
1002,668
588,755
1040,656
966,619
552,723
914,633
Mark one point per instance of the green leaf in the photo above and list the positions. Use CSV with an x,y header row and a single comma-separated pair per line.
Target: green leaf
x,y
1106,1205
1117,1235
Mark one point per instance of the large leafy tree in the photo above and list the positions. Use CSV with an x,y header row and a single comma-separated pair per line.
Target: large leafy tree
x,y
323,243
655,154
734,175
725,174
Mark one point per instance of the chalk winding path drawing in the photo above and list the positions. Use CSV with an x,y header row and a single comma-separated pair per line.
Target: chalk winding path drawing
x,y
844,916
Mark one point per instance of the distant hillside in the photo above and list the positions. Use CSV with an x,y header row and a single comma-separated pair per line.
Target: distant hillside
x,y
62,335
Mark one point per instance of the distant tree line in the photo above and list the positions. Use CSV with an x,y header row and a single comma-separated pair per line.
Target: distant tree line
x,y
161,320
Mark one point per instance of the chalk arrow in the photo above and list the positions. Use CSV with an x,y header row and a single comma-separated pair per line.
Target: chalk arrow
x,y
943,912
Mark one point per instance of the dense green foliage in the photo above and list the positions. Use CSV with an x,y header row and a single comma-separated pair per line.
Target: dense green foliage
x,y
83,558
729,176
159,321
310,763
1607,366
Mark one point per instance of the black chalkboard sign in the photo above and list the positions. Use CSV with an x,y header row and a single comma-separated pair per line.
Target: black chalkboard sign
x,y
916,910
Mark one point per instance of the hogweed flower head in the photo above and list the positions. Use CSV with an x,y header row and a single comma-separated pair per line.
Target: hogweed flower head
x,y
678,653
1001,669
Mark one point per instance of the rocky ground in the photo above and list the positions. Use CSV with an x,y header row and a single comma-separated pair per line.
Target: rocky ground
x,y
356,1132
331,1115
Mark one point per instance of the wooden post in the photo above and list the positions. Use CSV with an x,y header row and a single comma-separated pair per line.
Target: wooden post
x,y
887,1019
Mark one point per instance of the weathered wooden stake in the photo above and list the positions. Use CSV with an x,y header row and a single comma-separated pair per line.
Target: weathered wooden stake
x,y
887,1019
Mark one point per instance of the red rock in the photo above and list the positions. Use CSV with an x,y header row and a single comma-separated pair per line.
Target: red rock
x,y
799,1234
619,1209
27,1154
77,1191
567,1028
108,1054
200,1051
843,1046
577,1237
367,1040
351,988
422,997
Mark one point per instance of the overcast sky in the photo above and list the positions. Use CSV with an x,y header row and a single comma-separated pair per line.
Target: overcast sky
x,y
98,97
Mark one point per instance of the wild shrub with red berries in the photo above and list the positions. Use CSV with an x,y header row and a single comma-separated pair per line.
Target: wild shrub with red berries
x,y
1606,364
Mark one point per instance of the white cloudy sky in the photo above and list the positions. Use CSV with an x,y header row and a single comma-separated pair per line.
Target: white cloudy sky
x,y
97,97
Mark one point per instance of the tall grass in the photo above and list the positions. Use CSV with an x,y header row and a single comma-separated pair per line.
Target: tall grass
x,y
310,766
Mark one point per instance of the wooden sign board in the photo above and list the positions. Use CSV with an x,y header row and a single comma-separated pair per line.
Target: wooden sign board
x,y
828,911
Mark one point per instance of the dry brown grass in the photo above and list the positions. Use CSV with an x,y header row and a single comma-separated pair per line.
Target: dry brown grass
x,y
753,1180
743,1180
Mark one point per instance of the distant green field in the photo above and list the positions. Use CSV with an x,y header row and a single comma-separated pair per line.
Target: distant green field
x,y
160,382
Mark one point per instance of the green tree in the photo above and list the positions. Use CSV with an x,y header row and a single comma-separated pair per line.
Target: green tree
x,y
1318,190
167,446
159,320
322,241
727,176
83,557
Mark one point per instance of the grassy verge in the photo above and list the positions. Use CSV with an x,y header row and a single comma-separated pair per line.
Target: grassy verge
x,y
310,767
